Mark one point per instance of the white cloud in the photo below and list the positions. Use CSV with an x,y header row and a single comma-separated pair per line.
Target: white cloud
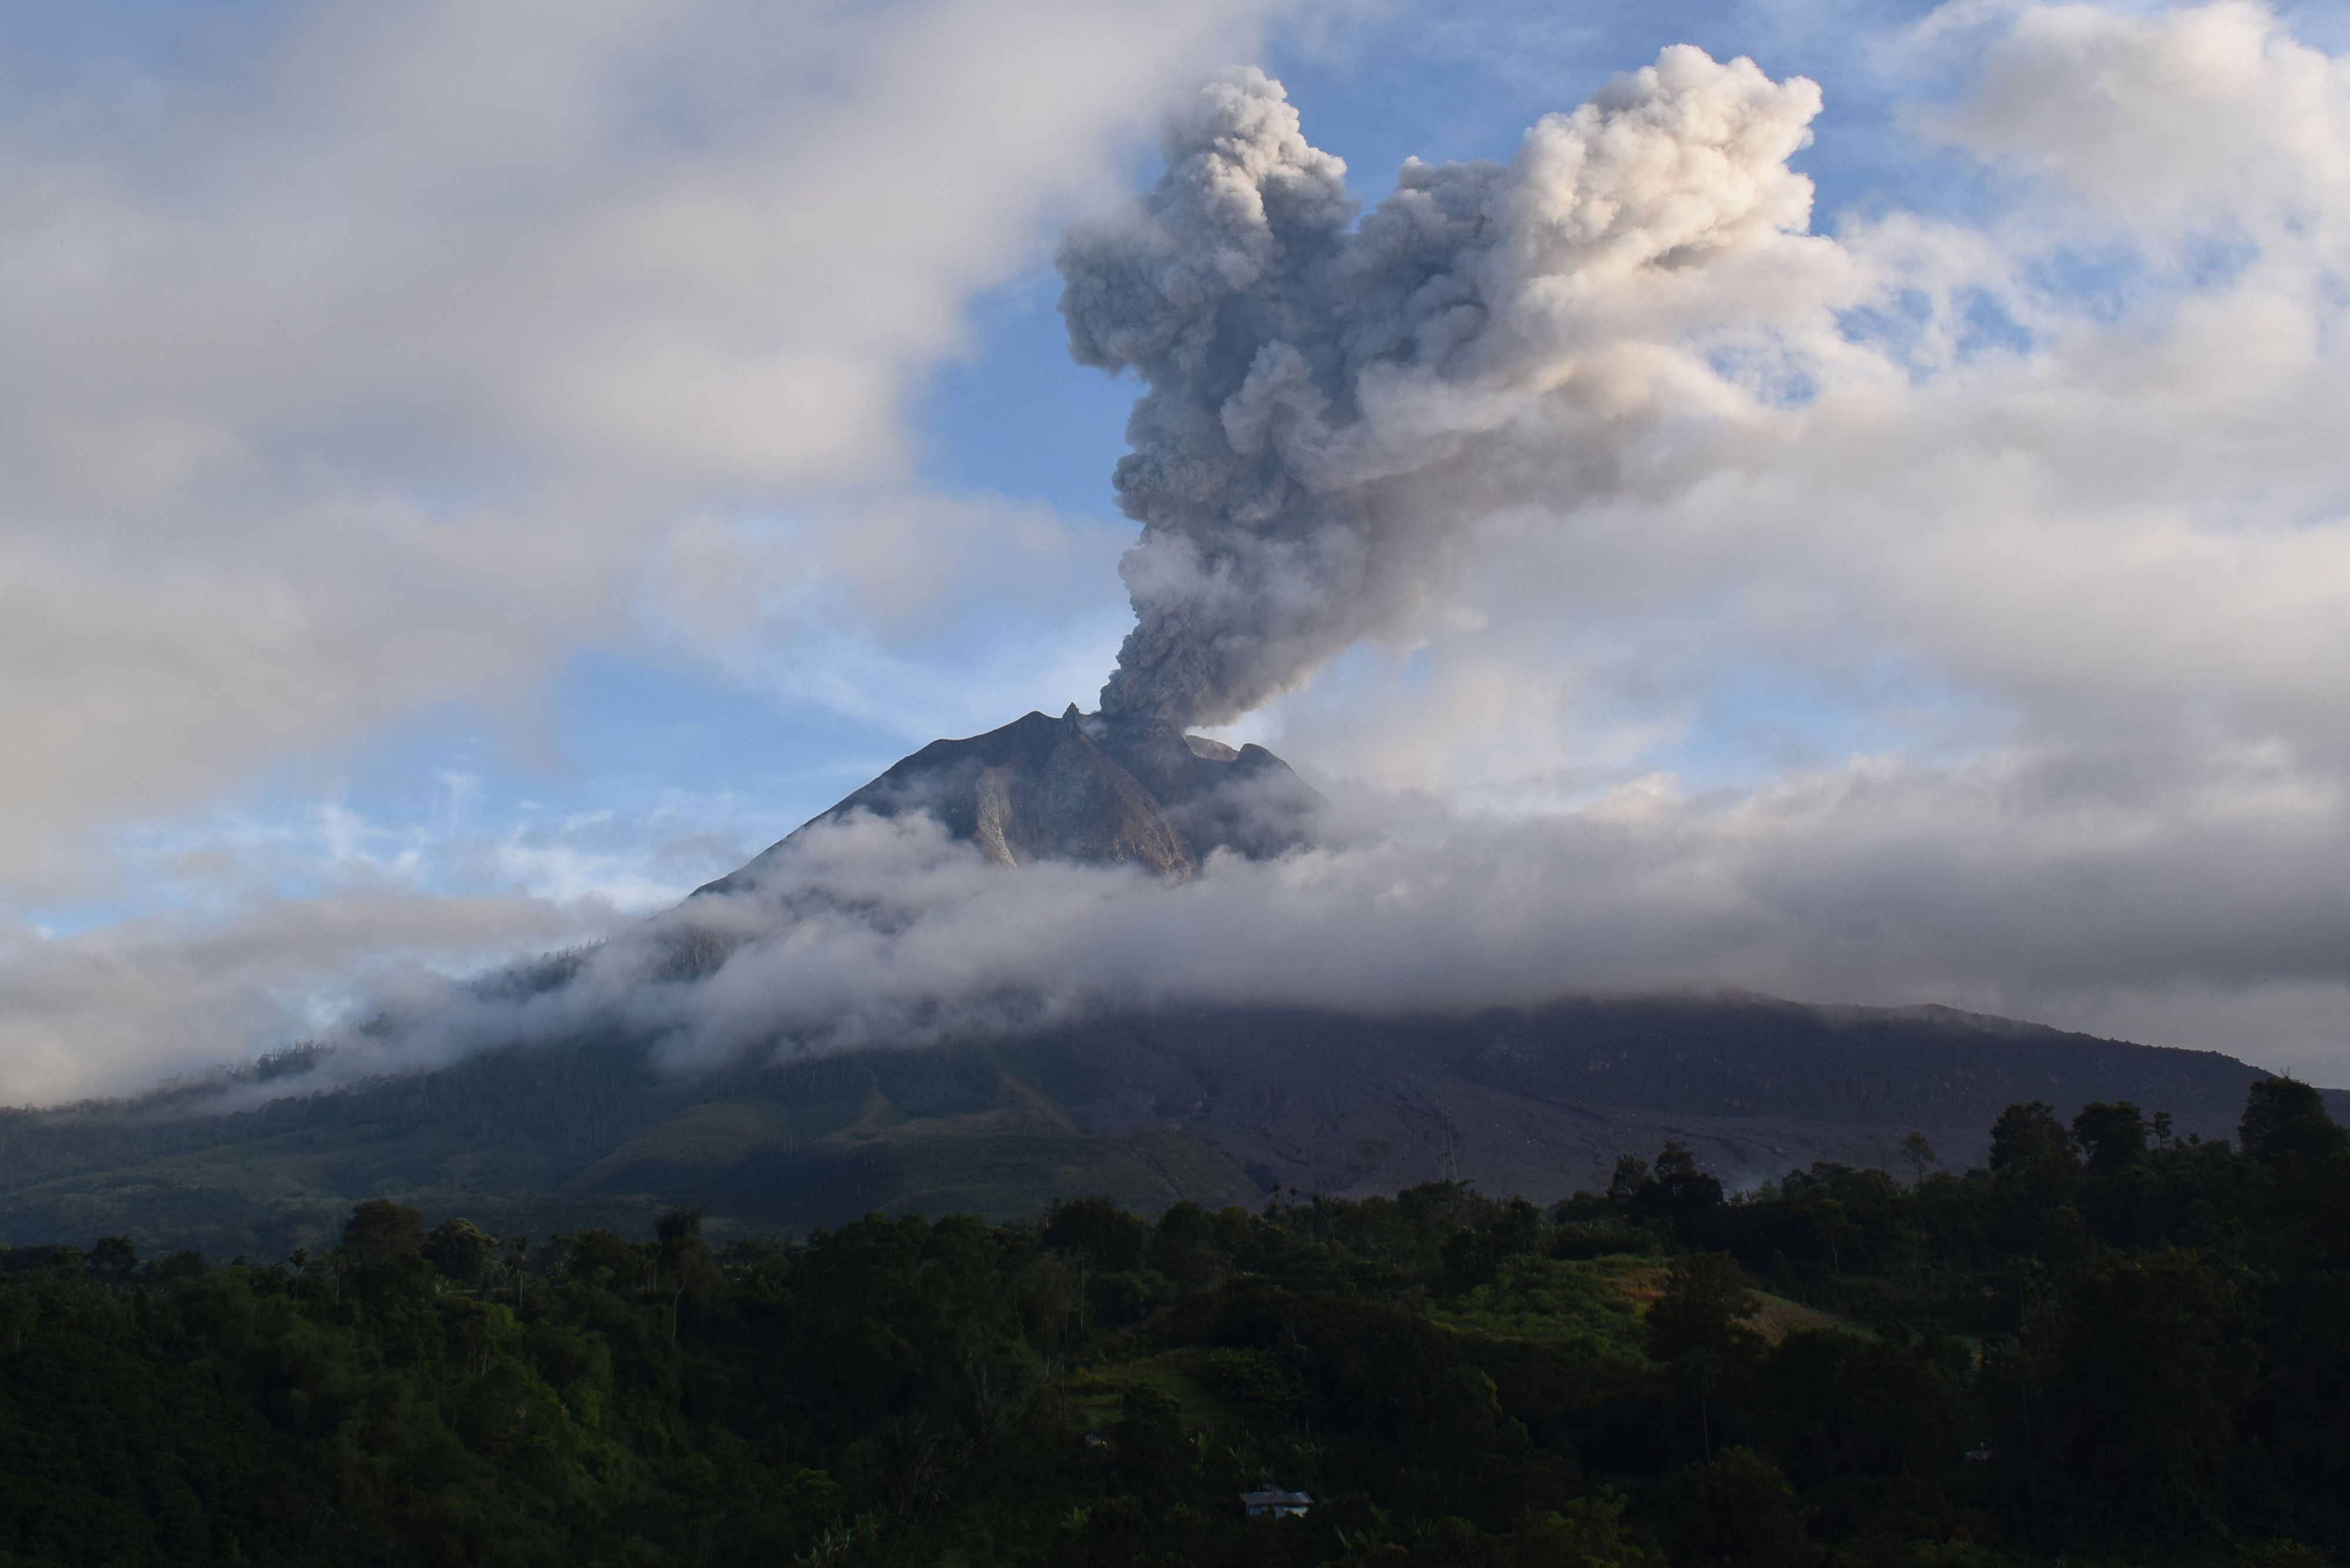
x,y
362,367
2176,121
105,1009
259,929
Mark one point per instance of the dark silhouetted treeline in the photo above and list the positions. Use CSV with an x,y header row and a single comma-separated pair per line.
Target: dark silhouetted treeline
x,y
2112,1345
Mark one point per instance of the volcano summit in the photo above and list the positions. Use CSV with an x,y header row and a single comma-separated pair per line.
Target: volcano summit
x,y
1082,787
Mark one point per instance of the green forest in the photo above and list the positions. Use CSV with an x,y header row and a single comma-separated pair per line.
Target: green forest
x,y
2113,1345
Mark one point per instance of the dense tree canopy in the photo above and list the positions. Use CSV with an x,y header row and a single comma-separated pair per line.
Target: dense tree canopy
x,y
2109,1342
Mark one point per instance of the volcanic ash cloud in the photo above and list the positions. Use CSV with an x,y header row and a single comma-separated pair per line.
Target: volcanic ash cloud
x,y
1329,406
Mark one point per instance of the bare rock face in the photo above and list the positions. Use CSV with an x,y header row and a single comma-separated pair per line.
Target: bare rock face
x,y
1080,788
1247,800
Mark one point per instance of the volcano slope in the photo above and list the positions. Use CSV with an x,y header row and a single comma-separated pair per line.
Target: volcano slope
x,y
1216,1106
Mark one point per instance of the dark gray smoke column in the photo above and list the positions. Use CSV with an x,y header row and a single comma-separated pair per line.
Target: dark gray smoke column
x,y
1329,407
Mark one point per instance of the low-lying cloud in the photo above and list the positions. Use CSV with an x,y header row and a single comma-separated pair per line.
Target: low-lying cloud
x,y
1879,887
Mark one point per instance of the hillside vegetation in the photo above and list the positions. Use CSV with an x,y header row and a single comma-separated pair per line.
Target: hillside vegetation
x,y
2111,1343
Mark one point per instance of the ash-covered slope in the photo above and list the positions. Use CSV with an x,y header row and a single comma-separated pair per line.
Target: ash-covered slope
x,y
1082,788
1214,1104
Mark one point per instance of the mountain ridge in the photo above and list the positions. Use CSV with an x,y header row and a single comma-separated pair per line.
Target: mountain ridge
x,y
1210,1105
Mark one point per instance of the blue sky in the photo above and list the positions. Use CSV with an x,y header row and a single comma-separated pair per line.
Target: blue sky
x,y
489,476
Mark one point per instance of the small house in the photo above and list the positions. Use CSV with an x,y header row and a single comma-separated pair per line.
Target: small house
x,y
1280,1504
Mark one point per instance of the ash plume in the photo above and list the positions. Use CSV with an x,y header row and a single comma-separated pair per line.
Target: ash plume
x,y
1330,406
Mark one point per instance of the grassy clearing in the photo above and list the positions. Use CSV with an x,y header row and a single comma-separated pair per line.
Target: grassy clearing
x,y
1597,1306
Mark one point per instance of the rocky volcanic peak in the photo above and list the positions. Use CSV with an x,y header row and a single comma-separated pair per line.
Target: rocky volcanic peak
x,y
1247,800
1083,788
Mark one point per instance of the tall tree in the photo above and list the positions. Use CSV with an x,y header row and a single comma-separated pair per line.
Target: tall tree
x,y
379,1231
1919,1154
2285,1118
1699,1327
2152,1369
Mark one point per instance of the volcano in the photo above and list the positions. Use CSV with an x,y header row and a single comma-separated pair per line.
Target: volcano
x,y
591,1124
1085,788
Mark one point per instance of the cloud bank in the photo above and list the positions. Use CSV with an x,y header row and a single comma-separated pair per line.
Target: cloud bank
x,y
872,932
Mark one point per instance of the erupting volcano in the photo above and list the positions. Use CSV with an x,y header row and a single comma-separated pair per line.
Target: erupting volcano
x,y
1090,789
